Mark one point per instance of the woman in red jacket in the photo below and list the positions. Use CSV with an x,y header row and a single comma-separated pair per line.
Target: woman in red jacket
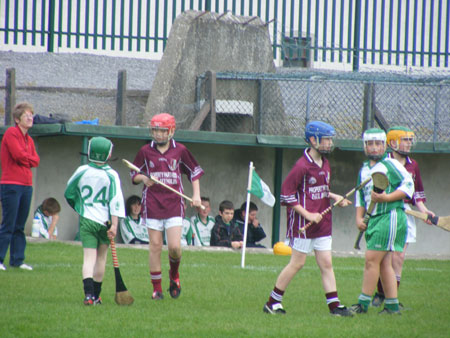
x,y
18,156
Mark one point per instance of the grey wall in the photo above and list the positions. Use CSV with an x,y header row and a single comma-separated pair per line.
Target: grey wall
x,y
226,171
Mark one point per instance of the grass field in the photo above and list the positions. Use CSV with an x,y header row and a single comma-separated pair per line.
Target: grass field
x,y
218,298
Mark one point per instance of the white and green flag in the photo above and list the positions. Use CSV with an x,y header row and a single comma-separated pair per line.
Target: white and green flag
x,y
261,190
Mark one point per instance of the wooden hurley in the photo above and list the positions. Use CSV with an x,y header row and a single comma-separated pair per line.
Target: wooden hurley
x,y
154,179
442,222
380,183
123,296
347,195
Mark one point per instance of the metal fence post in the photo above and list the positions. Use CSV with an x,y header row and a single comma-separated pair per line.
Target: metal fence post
x,y
10,95
260,110
51,27
277,191
437,104
368,114
121,98
211,95
356,36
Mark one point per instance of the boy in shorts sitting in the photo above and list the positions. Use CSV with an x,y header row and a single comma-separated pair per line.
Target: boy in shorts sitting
x,y
94,192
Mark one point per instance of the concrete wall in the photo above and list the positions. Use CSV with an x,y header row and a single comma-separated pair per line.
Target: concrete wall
x,y
226,171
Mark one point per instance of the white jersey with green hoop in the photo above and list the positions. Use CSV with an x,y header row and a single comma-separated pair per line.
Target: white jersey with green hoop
x,y
131,229
94,192
202,231
399,179
44,223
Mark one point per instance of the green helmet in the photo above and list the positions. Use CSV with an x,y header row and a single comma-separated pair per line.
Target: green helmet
x,y
99,149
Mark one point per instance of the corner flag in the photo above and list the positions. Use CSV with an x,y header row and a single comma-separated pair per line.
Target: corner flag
x,y
260,189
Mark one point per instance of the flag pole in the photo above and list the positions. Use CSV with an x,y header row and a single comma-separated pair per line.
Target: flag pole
x,y
247,207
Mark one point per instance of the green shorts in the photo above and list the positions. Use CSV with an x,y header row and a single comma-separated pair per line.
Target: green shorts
x,y
92,234
387,232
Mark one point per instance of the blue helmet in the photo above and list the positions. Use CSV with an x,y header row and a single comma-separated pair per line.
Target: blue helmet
x,y
318,129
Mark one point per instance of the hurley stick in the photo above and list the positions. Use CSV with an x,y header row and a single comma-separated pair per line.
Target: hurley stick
x,y
442,222
123,296
380,183
347,195
154,179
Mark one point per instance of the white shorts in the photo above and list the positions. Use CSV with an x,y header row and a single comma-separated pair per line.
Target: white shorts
x,y
161,224
306,245
411,222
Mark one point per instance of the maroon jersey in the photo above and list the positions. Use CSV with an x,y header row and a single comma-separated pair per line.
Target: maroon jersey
x,y
159,202
419,192
308,185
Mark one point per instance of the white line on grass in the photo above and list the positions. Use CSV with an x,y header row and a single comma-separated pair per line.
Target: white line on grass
x,y
269,268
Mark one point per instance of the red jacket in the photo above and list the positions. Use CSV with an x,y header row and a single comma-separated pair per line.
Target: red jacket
x,y
18,155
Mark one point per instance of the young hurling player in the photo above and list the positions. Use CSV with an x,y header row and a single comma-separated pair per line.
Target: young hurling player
x,y
94,192
167,160
386,229
306,193
401,140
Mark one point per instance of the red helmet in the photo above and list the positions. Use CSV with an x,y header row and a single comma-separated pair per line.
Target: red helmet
x,y
163,121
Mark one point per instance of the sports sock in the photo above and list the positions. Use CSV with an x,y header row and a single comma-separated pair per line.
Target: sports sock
x,y
276,296
391,304
97,289
380,287
88,286
156,280
174,265
332,300
364,300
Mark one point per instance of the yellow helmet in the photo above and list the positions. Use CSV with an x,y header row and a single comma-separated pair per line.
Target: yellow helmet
x,y
396,134
282,249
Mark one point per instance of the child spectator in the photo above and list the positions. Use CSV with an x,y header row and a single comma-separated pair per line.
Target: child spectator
x,y
186,233
226,232
202,224
94,192
255,232
47,216
386,230
132,229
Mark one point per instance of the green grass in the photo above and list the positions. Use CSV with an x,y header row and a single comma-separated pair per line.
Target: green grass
x,y
218,298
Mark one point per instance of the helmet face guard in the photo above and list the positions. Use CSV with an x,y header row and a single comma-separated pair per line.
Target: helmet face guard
x,y
374,135
401,140
160,125
320,130
99,149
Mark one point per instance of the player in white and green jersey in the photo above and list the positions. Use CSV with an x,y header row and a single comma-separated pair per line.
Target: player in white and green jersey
x,y
386,229
94,192
132,228
202,224
47,216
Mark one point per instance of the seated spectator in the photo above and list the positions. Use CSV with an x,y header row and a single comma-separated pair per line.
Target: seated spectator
x,y
255,232
225,232
47,215
186,232
202,224
132,229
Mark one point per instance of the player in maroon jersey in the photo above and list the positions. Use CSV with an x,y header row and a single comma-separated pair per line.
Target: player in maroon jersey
x,y
306,193
401,140
162,209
